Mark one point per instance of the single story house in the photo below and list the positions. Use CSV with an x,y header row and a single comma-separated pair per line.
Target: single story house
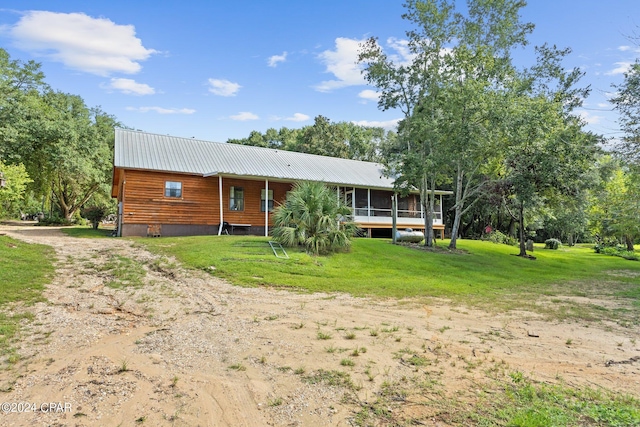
x,y
170,186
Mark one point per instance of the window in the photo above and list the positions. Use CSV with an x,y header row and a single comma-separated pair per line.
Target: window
x,y
172,189
262,199
236,199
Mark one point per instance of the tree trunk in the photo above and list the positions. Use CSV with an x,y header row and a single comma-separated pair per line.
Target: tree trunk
x,y
394,220
458,210
428,224
523,249
629,242
427,205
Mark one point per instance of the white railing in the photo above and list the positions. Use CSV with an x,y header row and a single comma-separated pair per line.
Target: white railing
x,y
366,215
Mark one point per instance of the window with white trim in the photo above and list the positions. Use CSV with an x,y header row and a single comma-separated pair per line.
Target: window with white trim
x,y
262,200
172,189
236,199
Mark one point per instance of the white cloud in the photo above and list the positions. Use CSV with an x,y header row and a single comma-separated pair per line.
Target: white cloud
x,y
298,117
342,63
622,67
590,118
624,48
244,116
388,124
273,60
603,105
403,55
223,87
130,86
94,45
369,95
161,110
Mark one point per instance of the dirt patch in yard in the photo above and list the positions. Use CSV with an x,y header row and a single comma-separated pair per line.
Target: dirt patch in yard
x,y
130,338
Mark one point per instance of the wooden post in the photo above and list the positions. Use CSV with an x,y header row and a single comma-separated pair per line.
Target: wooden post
x,y
266,208
221,209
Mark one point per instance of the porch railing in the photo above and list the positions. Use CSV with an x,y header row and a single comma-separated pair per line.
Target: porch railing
x,y
386,213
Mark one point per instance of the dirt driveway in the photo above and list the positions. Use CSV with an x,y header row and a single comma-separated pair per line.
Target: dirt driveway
x,y
186,348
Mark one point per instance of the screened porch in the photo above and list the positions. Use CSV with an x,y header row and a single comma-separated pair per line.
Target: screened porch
x,y
373,208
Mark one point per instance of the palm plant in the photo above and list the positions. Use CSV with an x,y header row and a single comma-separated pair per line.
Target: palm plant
x,y
313,217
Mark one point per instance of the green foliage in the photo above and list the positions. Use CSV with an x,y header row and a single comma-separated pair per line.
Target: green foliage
x,y
612,248
552,244
342,139
615,206
449,127
496,236
94,214
55,219
627,102
314,218
65,147
12,195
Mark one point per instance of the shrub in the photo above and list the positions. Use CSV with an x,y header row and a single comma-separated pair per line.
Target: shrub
x,y
613,248
94,214
498,237
54,220
313,217
552,244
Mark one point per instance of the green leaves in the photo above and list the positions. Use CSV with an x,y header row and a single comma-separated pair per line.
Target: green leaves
x,y
313,217
65,147
627,102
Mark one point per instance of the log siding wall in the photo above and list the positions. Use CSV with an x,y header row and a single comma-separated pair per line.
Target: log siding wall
x,y
145,202
197,211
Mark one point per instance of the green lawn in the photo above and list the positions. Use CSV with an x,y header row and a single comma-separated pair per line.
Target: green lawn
x,y
85,231
24,270
484,273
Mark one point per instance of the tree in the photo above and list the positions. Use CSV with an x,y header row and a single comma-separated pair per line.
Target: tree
x,y
546,153
313,217
627,102
16,180
21,86
615,204
342,139
76,157
65,147
456,63
324,139
480,63
415,89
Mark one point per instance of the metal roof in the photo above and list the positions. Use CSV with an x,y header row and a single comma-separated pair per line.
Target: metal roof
x,y
147,151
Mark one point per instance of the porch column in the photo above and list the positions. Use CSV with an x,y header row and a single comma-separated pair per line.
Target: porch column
x,y
266,207
221,210
353,201
369,206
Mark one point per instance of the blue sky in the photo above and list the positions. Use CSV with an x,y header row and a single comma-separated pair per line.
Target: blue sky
x,y
219,69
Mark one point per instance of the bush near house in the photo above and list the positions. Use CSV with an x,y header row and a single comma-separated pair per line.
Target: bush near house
x,y
313,217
